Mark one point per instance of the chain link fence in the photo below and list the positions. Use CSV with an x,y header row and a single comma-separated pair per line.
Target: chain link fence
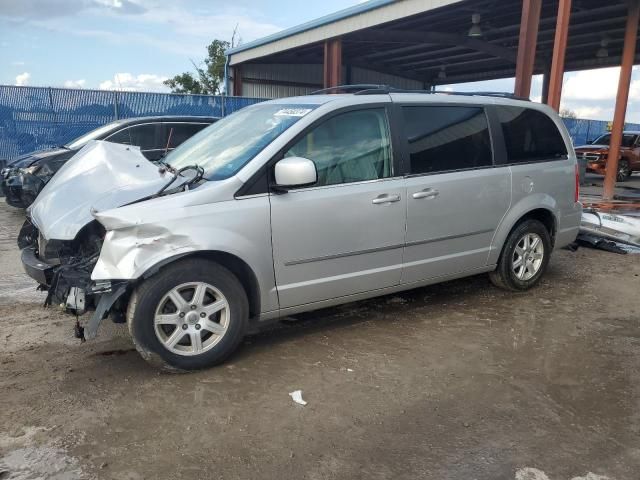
x,y
35,118
582,131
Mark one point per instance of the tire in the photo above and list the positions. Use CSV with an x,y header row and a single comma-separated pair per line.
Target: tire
x,y
624,172
181,339
509,276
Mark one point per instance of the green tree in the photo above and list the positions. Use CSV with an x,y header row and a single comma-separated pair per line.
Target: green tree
x,y
207,78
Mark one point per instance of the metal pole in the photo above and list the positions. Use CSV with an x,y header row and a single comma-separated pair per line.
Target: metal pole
x,y
115,104
525,61
628,54
559,49
332,62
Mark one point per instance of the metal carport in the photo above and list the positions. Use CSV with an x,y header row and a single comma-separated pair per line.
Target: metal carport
x,y
424,43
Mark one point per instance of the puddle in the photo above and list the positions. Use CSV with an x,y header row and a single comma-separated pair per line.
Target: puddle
x,y
30,463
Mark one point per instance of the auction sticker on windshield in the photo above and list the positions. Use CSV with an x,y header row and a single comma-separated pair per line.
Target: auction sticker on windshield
x,y
292,112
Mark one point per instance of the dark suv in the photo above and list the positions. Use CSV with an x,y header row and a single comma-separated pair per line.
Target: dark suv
x,y
22,180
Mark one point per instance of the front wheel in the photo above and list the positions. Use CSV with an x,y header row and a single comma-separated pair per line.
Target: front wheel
x,y
524,257
191,315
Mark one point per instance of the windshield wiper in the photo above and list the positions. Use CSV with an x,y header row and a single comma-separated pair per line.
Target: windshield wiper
x,y
176,173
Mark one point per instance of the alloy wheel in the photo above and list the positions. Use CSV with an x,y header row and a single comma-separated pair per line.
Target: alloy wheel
x,y
191,318
527,256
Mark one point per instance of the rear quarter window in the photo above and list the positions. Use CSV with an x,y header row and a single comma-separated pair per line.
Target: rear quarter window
x,y
530,135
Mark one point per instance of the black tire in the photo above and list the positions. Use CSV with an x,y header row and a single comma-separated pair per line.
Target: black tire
x,y
147,296
624,171
504,276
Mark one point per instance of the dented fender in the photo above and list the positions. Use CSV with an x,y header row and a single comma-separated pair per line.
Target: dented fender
x,y
143,236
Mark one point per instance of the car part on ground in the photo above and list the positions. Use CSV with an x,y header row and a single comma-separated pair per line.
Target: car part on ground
x,y
623,229
247,237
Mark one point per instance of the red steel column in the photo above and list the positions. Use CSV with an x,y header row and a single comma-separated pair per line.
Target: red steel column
x,y
527,44
237,81
559,49
628,55
332,62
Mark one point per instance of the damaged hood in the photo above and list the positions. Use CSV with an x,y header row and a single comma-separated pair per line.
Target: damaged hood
x,y
101,176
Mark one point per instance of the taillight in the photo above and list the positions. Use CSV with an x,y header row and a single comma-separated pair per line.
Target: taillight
x,y
577,189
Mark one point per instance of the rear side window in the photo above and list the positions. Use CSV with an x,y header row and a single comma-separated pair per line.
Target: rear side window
x,y
147,136
444,138
179,132
530,135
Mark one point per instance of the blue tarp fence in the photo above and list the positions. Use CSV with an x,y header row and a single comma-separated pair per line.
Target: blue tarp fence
x,y
35,118
583,130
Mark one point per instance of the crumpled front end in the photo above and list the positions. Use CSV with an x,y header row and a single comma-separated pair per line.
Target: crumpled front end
x,y
60,266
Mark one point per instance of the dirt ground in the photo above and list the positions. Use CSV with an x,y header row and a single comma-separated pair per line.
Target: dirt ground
x,y
454,381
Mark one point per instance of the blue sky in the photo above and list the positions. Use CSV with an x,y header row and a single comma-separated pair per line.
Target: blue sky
x,y
136,44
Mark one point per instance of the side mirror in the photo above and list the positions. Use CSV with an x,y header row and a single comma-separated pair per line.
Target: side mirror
x,y
295,172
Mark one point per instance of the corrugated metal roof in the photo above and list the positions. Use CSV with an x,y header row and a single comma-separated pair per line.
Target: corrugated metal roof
x,y
360,17
333,17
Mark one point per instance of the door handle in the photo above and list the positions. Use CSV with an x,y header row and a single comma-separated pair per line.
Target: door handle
x,y
385,198
426,193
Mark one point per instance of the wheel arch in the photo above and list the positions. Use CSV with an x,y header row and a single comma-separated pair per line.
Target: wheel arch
x,y
544,213
233,263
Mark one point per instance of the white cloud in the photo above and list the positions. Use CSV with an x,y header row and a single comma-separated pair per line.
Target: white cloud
x,y
75,83
589,112
18,63
23,78
145,82
600,84
30,9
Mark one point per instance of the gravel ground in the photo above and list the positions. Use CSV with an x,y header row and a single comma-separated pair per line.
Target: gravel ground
x,y
454,381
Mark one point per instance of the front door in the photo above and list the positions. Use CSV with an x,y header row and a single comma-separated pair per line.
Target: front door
x,y
345,234
455,197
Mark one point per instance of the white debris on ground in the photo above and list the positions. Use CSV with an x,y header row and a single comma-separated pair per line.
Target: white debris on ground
x,y
297,397
529,473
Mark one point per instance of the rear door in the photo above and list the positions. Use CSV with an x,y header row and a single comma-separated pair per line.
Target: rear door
x,y
345,234
455,196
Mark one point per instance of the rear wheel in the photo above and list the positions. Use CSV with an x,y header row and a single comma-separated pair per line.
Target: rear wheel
x,y
624,171
524,257
191,315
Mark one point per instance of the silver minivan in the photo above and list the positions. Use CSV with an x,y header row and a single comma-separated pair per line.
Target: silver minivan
x,y
296,204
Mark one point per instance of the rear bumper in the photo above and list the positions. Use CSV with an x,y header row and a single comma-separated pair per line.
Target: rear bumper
x,y
40,271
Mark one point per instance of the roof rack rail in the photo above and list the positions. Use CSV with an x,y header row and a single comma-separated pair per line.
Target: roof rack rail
x,y
365,89
483,94
349,89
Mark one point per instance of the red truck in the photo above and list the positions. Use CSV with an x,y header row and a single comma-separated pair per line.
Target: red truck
x,y
597,152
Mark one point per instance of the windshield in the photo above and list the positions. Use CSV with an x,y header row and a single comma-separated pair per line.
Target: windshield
x,y
92,135
627,140
229,144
